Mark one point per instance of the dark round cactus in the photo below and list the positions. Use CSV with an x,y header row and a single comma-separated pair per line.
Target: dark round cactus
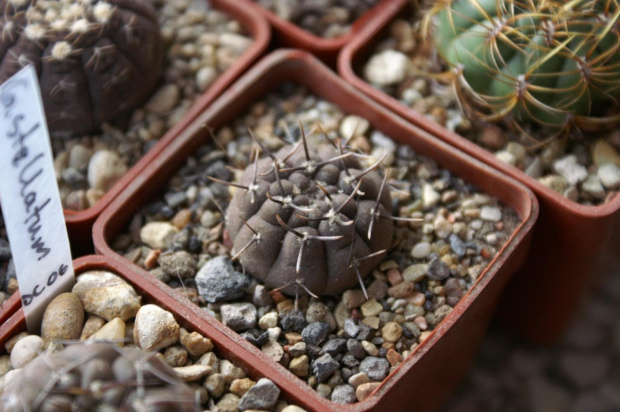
x,y
98,376
96,59
310,218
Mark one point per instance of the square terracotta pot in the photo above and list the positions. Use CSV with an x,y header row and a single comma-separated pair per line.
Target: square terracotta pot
x,y
568,236
288,34
438,364
79,223
188,316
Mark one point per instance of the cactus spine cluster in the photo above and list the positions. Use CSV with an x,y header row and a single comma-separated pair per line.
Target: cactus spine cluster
x,y
310,218
555,64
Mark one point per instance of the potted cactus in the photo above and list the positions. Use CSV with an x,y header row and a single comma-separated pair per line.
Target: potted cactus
x,y
117,77
531,82
310,205
118,342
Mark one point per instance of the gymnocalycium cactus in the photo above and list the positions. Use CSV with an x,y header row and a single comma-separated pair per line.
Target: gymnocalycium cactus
x,y
551,63
97,376
309,217
96,59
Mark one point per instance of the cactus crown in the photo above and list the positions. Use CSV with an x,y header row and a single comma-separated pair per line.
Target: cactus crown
x,y
555,64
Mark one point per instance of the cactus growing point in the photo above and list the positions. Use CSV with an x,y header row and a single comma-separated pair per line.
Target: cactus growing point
x,y
554,63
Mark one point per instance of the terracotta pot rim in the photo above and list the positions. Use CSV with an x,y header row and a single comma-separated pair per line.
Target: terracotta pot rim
x,y
520,234
311,41
346,70
260,32
185,315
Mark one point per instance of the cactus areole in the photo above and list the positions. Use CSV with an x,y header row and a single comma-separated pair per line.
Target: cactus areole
x,y
551,63
310,220
96,59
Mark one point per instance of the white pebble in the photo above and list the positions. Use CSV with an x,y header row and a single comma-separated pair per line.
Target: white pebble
x,y
353,126
593,187
25,350
429,196
205,77
491,214
269,320
570,169
609,175
158,235
421,250
155,328
506,157
105,168
387,68
166,98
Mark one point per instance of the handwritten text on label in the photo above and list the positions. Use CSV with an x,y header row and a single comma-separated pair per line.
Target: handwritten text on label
x,y
29,195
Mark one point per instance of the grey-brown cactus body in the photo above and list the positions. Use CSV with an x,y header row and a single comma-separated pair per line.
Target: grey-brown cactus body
x,y
97,376
96,60
309,223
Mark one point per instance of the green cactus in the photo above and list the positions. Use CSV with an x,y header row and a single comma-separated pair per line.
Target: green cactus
x,y
553,63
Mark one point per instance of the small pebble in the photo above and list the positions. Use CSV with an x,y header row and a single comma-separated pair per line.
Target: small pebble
x,y
239,316
155,328
107,295
63,318
25,350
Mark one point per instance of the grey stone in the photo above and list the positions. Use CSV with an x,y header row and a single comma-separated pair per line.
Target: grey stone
x,y
217,281
175,199
438,269
293,321
262,396
178,264
343,394
239,316
324,367
261,296
334,346
356,349
319,312
457,245
375,368
315,333
454,291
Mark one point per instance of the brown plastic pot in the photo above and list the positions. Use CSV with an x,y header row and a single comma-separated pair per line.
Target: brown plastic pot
x,y
287,34
438,364
186,314
568,236
80,223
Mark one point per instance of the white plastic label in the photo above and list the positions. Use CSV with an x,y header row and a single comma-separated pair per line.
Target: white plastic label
x,y
29,197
